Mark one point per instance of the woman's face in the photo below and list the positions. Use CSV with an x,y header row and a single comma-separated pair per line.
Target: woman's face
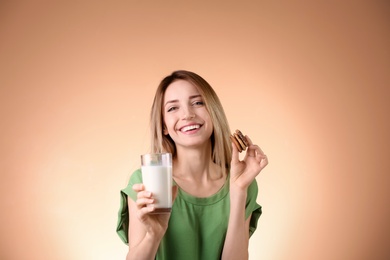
x,y
186,118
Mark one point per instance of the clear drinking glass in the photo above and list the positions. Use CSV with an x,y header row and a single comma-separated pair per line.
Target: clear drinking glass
x,y
157,178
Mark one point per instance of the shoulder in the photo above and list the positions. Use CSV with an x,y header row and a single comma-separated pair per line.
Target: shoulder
x,y
253,185
253,189
136,177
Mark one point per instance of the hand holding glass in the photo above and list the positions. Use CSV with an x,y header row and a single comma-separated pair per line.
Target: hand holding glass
x,y
157,178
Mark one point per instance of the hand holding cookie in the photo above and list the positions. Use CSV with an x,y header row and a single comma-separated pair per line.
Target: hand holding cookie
x,y
239,141
245,171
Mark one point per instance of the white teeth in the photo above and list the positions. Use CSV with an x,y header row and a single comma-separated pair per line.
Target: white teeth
x,y
190,127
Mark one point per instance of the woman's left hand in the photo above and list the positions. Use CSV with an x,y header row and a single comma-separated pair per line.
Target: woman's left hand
x,y
242,173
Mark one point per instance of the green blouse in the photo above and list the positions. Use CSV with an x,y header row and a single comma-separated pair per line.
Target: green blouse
x,y
197,226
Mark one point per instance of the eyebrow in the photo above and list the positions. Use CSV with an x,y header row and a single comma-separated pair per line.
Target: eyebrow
x,y
176,100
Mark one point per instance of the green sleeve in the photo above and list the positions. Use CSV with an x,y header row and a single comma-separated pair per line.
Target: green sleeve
x,y
252,208
122,228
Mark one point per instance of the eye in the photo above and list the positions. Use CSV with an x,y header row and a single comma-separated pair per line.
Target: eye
x,y
170,109
198,103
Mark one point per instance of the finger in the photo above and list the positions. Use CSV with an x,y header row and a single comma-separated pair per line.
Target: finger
x,y
143,212
252,153
260,155
264,161
255,150
142,202
249,140
259,151
251,150
255,146
235,157
144,194
138,187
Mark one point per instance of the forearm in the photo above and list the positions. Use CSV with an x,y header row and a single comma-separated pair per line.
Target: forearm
x,y
237,236
146,249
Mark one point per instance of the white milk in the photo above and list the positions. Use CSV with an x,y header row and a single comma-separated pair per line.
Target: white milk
x,y
158,180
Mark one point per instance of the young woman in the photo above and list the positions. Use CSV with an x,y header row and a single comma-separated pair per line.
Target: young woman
x,y
214,211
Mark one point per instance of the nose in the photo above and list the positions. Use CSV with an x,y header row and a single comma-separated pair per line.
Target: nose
x,y
188,113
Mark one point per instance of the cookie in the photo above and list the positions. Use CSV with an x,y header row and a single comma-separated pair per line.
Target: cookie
x,y
239,140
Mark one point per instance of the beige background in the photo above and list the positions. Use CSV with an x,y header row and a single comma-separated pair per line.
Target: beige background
x,y
308,82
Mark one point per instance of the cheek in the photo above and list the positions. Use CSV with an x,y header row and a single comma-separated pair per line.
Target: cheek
x,y
169,123
211,124
206,115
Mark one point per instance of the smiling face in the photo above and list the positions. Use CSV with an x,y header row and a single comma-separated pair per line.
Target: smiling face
x,y
186,118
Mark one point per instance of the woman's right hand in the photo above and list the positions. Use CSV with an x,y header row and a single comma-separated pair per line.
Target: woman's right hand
x,y
154,224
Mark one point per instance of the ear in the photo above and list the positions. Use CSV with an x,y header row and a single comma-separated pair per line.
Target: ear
x,y
165,131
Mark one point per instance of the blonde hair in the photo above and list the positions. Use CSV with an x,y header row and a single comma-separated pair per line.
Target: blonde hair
x,y
220,141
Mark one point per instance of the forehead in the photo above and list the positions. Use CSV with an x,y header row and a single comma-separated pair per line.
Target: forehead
x,y
180,89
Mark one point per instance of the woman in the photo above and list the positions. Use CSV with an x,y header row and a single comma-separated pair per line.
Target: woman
x,y
214,210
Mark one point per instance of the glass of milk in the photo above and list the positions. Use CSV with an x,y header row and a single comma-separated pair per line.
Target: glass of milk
x,y
157,177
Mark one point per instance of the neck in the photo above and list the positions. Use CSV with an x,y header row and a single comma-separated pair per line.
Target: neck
x,y
195,164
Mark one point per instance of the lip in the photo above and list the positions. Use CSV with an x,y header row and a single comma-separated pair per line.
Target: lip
x,y
188,125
